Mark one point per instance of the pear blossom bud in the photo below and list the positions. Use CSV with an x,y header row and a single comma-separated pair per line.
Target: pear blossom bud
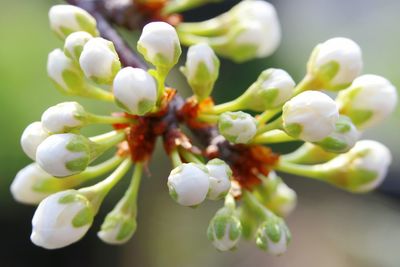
x,y
342,139
271,90
32,137
117,228
99,60
159,44
74,43
188,184
64,73
220,175
64,154
310,116
201,69
335,63
64,117
135,90
237,127
273,236
224,230
66,19
61,219
25,189
368,101
362,169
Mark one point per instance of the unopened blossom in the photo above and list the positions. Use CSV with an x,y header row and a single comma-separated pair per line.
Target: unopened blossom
x,y
33,135
273,236
220,179
117,228
74,44
237,127
63,117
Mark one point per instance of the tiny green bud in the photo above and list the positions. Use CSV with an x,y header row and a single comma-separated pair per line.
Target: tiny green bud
x,y
273,236
220,179
74,44
368,101
64,117
237,127
117,228
224,230
201,69
61,219
66,19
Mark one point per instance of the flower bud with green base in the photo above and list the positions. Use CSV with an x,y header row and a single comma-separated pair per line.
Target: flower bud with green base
x,y
74,44
310,116
135,90
201,70
62,219
99,60
342,139
308,153
237,127
220,179
225,229
33,135
189,184
368,101
273,236
271,90
66,19
160,46
64,117
335,63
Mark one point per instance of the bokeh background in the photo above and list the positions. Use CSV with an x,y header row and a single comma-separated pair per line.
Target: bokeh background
x,y
330,227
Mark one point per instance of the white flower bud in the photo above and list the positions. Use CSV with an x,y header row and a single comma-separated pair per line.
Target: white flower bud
x,y
342,139
159,44
61,219
99,60
135,90
117,229
64,154
220,179
188,184
224,230
335,63
74,44
273,236
310,116
32,137
362,169
64,117
271,90
237,127
201,69
66,19
24,187
368,101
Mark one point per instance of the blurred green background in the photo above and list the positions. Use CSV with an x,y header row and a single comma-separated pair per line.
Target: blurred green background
x,y
329,227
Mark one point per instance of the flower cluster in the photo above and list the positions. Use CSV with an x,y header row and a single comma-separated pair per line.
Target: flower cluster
x,y
234,164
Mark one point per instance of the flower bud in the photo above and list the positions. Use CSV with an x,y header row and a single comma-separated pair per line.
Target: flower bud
x,y
224,230
159,44
74,44
188,184
362,169
25,189
342,139
201,69
237,127
66,19
32,137
310,116
335,63
117,228
135,90
368,101
271,90
220,179
273,236
63,117
61,219
99,60
64,154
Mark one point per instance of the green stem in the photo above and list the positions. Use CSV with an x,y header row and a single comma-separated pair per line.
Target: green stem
x,y
233,105
99,119
256,207
273,137
175,158
274,125
212,27
308,83
189,156
209,118
95,92
105,141
309,171
230,202
179,6
267,115
128,204
191,39
308,154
